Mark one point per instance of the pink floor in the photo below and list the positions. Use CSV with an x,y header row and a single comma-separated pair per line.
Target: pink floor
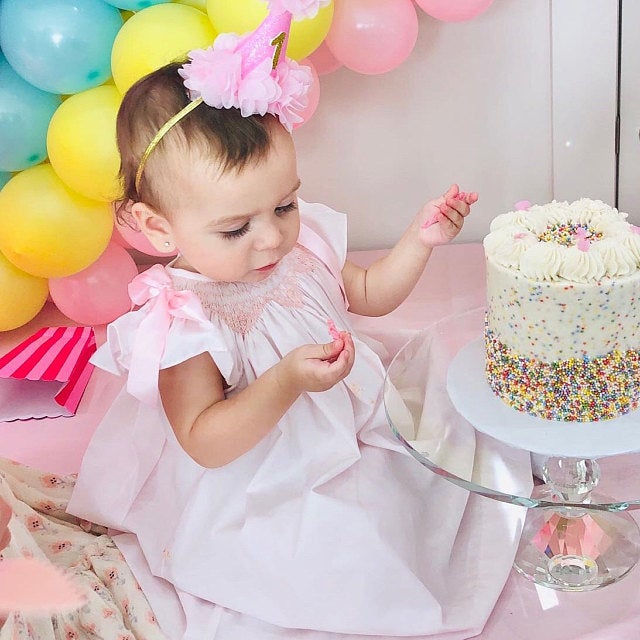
x,y
453,282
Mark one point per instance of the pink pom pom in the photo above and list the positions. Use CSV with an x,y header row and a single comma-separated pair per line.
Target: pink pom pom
x,y
31,586
522,205
299,8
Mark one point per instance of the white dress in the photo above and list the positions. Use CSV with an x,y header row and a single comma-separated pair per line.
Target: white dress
x,y
327,524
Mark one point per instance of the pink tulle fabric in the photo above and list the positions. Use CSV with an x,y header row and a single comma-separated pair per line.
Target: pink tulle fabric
x,y
298,8
215,74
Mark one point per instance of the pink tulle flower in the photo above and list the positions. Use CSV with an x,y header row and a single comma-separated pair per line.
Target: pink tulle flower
x,y
215,75
295,80
298,8
258,90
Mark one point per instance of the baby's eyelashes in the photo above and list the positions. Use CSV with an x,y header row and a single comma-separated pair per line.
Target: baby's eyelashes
x,y
286,208
236,233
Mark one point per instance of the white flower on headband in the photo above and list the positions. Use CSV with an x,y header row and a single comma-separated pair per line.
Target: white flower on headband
x,y
299,8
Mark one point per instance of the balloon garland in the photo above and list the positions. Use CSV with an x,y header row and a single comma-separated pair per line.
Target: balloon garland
x,y
64,66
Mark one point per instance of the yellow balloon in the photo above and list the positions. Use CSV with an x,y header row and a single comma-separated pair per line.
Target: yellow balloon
x,y
81,143
22,295
198,4
48,230
156,36
240,16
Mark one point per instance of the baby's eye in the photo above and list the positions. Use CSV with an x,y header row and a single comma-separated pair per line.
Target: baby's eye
x,y
236,233
286,208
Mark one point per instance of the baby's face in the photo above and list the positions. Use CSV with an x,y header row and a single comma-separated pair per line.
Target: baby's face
x,y
236,227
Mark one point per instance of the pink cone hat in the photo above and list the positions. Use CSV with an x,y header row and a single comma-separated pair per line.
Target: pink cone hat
x,y
252,72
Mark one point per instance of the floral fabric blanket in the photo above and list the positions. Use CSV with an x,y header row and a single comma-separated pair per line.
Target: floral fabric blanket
x,y
115,607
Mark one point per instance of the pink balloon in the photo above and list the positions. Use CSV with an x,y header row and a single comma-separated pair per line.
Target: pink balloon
x,y
118,239
137,240
314,94
454,11
98,294
323,60
372,36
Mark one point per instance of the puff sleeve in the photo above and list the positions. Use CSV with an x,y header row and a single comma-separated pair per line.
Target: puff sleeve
x,y
170,327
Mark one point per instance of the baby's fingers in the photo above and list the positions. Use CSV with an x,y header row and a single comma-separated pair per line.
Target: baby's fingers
x,y
347,355
451,192
471,198
331,350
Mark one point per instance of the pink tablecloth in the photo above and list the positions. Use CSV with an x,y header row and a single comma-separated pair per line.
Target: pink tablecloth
x,y
452,283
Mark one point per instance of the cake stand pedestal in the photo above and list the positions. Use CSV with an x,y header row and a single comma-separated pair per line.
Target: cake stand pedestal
x,y
575,539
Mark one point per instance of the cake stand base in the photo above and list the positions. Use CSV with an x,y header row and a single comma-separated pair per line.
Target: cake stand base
x,y
572,549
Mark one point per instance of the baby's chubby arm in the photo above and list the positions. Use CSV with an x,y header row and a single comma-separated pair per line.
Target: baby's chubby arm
x,y
215,430
385,284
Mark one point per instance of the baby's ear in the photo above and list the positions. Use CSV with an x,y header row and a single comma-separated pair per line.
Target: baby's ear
x,y
154,226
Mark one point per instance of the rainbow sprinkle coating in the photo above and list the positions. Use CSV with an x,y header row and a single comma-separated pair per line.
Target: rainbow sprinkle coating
x,y
573,390
565,234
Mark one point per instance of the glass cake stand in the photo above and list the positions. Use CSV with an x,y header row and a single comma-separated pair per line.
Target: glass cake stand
x,y
578,533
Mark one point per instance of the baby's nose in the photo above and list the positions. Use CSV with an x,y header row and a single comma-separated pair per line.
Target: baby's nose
x,y
270,238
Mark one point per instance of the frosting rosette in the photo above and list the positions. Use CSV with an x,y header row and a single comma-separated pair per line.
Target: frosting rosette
x,y
580,242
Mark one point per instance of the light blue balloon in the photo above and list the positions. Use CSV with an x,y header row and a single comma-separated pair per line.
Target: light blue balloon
x,y
60,46
4,178
25,113
135,5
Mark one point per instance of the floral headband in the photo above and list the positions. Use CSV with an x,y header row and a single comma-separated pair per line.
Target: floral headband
x,y
250,73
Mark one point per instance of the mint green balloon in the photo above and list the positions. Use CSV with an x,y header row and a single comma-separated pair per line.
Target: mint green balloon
x,y
4,178
60,46
25,113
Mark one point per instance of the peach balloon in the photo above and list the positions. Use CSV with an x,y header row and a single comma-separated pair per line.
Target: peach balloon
x,y
99,293
449,11
373,36
323,60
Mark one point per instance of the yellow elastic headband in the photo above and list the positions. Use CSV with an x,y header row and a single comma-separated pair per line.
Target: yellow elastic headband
x,y
161,133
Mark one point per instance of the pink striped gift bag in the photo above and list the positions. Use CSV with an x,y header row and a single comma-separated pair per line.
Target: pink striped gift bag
x,y
46,375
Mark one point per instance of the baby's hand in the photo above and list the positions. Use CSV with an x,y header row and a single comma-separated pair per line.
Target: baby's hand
x,y
443,217
318,367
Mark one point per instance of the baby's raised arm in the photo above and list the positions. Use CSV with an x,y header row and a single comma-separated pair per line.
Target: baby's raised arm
x,y
213,429
383,286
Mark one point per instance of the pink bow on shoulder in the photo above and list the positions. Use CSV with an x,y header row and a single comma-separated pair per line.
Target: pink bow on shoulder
x,y
154,288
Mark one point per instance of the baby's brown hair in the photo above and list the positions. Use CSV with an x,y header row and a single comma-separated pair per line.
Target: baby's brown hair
x,y
230,140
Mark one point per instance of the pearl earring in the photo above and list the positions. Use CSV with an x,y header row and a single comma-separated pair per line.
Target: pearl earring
x,y
167,244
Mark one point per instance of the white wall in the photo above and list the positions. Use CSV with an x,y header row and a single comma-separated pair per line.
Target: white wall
x,y
629,196
584,43
472,104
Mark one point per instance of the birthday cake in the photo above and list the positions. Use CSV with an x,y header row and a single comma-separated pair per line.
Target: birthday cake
x,y
562,327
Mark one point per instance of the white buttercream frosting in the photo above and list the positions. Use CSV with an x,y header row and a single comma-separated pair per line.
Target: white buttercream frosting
x,y
581,242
